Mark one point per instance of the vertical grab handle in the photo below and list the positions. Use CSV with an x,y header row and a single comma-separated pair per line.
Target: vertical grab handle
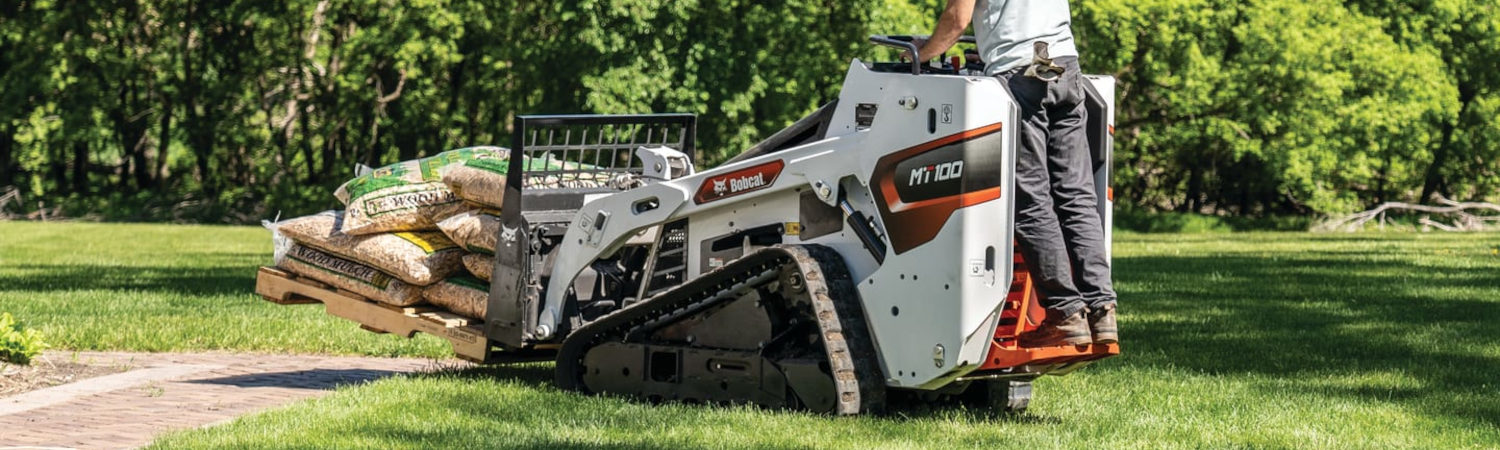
x,y
908,45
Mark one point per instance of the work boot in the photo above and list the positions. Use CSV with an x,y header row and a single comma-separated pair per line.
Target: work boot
x,y
1102,321
1058,330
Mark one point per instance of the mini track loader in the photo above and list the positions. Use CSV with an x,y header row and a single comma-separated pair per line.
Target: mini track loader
x,y
864,251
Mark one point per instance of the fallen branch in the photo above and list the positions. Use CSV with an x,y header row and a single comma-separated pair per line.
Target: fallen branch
x,y
11,195
1460,213
1435,224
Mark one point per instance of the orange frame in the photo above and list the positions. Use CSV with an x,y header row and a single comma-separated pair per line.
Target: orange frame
x,y
1022,313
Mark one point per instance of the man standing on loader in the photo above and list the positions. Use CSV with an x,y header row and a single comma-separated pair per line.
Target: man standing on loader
x,y
1028,45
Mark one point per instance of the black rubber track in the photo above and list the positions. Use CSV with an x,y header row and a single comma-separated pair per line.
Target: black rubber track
x,y
845,335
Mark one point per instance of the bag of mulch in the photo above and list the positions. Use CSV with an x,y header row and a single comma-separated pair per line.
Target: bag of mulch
x,y
347,275
463,295
406,196
478,181
481,266
477,231
416,257
482,181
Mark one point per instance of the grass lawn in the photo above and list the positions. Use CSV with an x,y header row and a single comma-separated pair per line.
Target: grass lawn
x,y
92,286
1231,340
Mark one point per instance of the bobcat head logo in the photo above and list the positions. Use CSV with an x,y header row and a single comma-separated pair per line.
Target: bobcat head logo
x,y
719,186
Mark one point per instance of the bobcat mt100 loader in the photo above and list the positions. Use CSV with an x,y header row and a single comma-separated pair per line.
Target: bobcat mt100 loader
x,y
865,250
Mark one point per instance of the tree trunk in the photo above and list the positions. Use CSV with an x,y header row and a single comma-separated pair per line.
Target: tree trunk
x,y
163,144
456,91
137,149
402,132
7,143
1380,183
58,166
1433,181
200,138
1194,189
133,162
305,142
81,167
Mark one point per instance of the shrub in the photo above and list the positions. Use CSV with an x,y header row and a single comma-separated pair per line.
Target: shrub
x,y
1142,220
18,345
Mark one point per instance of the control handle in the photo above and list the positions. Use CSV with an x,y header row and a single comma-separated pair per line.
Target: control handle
x,y
908,45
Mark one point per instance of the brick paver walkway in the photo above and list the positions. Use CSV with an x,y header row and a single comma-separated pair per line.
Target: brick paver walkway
x,y
170,391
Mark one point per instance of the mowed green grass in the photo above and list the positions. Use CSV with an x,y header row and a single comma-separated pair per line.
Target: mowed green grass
x,y
92,286
1231,340
1267,340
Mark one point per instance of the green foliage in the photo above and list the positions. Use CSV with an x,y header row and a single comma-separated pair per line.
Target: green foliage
x,y
18,344
232,111
1144,221
1269,105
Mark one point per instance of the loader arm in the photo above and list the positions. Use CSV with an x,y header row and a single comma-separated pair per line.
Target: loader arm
x,y
604,224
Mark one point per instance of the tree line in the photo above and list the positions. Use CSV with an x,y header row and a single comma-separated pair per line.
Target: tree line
x,y
233,111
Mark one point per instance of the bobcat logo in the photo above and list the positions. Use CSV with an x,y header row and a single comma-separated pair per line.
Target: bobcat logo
x,y
738,182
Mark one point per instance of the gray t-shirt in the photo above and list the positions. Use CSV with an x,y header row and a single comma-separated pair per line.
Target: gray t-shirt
x,y
1006,30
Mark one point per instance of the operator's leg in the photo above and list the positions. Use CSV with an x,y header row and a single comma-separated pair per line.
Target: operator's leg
x,y
1072,176
1037,229
1076,200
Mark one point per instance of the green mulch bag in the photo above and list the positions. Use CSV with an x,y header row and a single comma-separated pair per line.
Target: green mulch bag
x,y
347,275
416,257
481,182
481,266
477,231
409,195
463,295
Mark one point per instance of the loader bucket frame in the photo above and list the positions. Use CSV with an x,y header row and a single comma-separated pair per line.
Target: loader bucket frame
x,y
540,201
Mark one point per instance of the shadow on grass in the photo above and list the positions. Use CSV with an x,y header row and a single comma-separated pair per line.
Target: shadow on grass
x,y
532,374
314,379
1312,315
192,280
539,376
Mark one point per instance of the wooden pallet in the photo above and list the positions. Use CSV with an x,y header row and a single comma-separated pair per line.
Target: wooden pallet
x,y
466,335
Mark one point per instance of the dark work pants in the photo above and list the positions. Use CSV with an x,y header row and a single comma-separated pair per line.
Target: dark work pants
x,y
1057,220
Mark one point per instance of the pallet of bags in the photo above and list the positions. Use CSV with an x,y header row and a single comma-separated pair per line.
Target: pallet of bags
x,y
411,229
366,264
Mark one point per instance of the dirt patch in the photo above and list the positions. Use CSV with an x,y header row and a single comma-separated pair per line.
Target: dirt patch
x,y
44,373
